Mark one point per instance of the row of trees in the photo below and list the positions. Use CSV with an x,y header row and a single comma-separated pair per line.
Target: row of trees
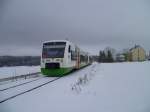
x,y
19,60
105,56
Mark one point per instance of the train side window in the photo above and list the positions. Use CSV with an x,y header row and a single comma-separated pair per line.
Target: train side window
x,y
73,55
69,49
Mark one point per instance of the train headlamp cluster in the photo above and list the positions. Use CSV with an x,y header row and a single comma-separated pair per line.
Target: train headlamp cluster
x,y
50,60
59,60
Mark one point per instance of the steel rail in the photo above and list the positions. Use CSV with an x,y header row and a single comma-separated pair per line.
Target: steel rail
x,y
11,97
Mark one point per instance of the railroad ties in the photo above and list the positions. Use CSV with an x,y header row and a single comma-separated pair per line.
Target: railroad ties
x,y
25,76
28,90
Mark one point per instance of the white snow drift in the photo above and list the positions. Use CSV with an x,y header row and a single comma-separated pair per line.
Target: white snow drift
x,y
18,70
116,87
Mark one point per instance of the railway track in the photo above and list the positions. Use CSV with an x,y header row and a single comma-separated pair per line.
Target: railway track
x,y
27,90
25,76
19,84
9,97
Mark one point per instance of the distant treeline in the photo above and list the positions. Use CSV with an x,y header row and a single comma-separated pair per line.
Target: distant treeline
x,y
19,60
105,57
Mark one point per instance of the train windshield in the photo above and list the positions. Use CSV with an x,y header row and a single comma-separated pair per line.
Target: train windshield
x,y
53,50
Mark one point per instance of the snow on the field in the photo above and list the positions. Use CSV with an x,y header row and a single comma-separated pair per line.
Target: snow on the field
x,y
17,70
11,92
116,87
17,82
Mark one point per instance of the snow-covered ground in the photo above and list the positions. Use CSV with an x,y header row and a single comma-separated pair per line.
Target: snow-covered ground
x,y
18,70
116,87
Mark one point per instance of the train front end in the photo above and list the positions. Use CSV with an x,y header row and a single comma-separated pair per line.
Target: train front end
x,y
53,60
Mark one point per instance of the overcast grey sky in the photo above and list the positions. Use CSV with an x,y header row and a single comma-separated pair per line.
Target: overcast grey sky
x,y
91,24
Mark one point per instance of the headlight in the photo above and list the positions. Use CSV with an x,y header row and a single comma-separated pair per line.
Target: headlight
x,y
57,60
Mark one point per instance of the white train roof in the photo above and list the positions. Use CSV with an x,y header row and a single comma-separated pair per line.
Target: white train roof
x,y
81,51
57,41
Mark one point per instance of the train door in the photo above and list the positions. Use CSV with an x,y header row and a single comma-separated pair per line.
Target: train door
x,y
69,55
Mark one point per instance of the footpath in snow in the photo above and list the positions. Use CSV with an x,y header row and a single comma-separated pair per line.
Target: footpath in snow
x,y
110,87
